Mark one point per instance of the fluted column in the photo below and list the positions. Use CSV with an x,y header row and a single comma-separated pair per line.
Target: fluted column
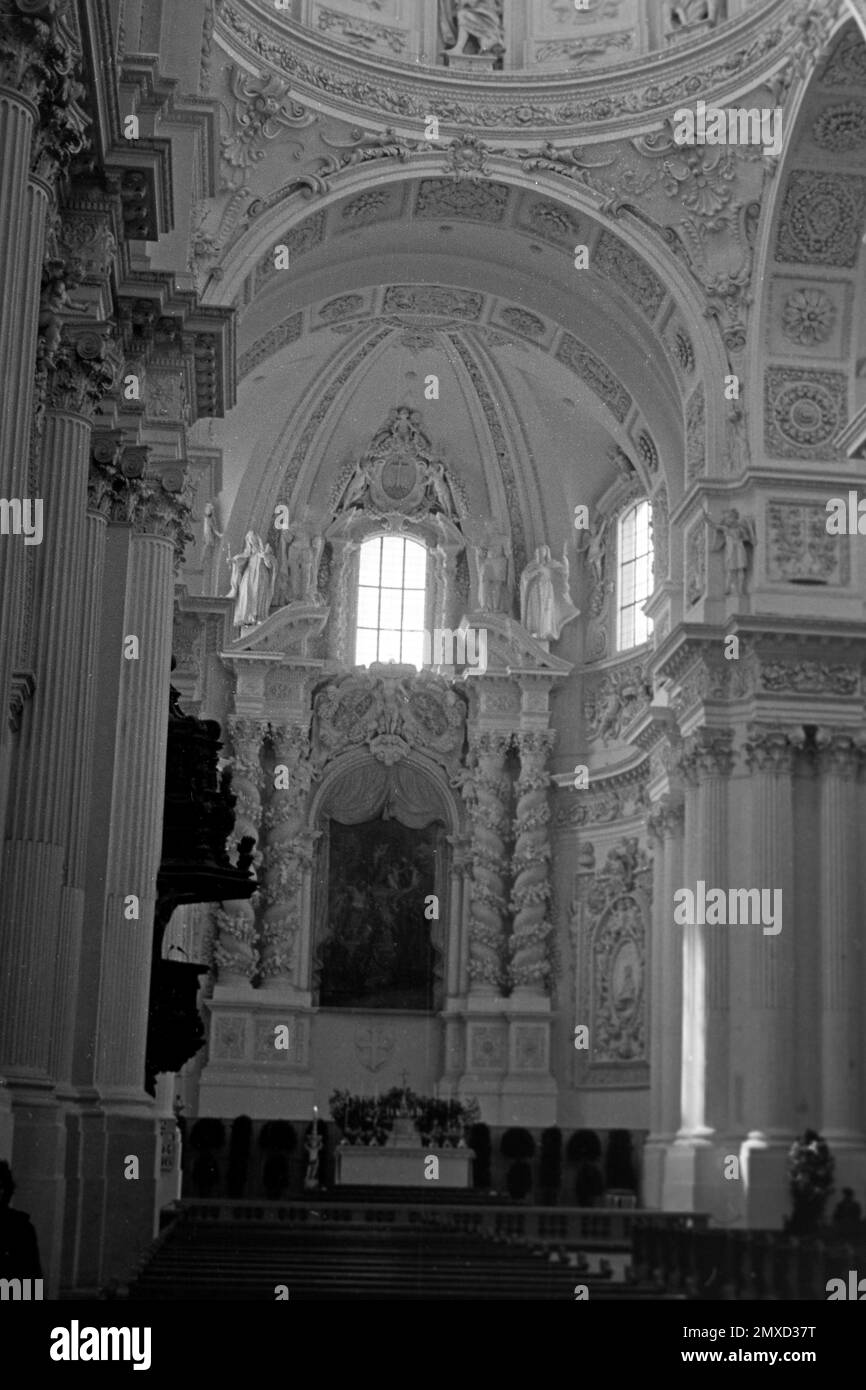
x,y
22,389
489,863
136,825
47,765
82,714
665,829
706,765
530,966
694,1162
17,348
769,1094
842,979
287,857
235,951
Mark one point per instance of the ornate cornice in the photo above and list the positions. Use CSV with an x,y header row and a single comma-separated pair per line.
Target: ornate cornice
x,y
772,666
735,57
619,796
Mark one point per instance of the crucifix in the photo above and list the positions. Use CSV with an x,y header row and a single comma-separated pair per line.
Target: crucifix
x,y
404,1077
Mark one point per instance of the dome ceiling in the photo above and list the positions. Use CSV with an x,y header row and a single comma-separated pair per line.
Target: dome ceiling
x,y
498,315
545,36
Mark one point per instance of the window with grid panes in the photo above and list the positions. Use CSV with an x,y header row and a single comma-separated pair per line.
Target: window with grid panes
x,y
634,576
392,592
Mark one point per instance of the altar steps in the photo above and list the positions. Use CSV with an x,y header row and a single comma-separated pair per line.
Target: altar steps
x,y
233,1261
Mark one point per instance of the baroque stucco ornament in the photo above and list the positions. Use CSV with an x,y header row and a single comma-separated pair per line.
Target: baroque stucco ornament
x,y
609,925
392,710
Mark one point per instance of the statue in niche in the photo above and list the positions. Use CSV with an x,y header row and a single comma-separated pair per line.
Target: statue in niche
x,y
253,574
545,600
477,25
493,588
737,537
687,14
209,533
298,566
304,556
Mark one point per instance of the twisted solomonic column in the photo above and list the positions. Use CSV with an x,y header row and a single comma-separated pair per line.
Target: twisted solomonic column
x,y
530,894
287,853
489,794
235,952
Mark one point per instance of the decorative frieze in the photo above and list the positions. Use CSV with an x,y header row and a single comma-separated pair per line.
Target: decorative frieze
x,y
799,550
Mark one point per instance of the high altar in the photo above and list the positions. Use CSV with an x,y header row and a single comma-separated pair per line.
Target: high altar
x,y
444,770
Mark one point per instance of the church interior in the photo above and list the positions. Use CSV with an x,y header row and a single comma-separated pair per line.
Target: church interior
x,y
429,545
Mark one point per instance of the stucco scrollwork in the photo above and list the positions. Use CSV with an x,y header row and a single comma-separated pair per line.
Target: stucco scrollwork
x,y
609,925
391,711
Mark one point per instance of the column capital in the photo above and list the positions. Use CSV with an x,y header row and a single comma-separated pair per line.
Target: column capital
x,y
491,742
539,742
839,754
78,367
123,491
707,753
291,742
39,58
771,750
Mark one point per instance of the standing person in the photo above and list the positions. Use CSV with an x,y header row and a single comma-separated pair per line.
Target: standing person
x,y
19,1248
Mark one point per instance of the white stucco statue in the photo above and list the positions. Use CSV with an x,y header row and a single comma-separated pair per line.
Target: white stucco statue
x,y
209,533
493,577
545,601
480,21
253,574
685,14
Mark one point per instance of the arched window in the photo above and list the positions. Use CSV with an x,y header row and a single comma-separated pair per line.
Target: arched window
x,y
634,576
392,590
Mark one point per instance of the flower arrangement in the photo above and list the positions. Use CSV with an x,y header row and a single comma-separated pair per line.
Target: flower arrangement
x,y
810,1178
370,1119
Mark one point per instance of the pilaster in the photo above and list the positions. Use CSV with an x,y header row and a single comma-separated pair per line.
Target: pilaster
x,y
840,759
695,1162
665,831
769,1094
